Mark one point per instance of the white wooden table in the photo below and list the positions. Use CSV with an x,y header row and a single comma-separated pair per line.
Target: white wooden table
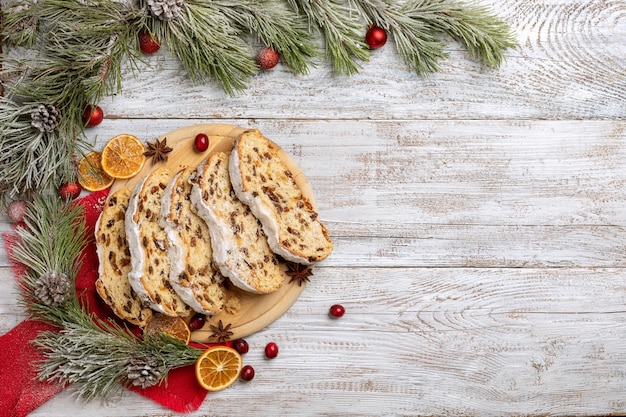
x,y
479,221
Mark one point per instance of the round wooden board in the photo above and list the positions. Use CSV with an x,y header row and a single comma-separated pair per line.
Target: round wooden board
x,y
256,311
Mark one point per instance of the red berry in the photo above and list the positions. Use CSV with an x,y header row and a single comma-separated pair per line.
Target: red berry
x,y
201,142
93,116
197,321
147,43
70,191
267,58
17,210
271,350
376,37
336,311
241,346
247,373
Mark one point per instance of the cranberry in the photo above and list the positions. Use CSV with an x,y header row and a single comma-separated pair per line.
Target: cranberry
x,y
197,321
247,373
271,350
93,116
201,142
336,311
241,346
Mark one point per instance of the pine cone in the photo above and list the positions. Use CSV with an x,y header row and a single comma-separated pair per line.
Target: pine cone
x,y
144,372
45,117
52,288
166,9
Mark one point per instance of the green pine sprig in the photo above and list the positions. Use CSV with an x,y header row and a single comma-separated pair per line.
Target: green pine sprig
x,y
52,239
276,26
32,161
419,27
342,30
207,44
94,356
89,353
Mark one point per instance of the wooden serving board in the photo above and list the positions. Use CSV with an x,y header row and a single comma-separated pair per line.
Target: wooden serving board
x,y
256,311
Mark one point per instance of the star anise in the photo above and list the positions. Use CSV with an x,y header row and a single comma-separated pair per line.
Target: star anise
x,y
299,273
220,332
158,150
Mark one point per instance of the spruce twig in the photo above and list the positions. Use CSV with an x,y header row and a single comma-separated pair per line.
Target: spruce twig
x,y
51,240
207,44
276,26
91,354
342,32
31,160
418,25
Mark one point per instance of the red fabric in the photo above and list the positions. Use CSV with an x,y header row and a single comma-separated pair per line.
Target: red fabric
x,y
22,392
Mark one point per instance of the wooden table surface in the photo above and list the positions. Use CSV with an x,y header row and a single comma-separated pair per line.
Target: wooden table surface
x,y
478,216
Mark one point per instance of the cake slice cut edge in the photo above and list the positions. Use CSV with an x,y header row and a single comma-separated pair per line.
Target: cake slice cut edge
x,y
148,245
193,274
114,263
240,247
263,181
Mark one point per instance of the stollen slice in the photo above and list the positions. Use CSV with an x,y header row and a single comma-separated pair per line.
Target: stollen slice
x,y
240,247
148,244
264,182
193,274
114,262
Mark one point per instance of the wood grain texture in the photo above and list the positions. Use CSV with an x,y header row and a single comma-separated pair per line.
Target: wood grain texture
x,y
478,220
570,64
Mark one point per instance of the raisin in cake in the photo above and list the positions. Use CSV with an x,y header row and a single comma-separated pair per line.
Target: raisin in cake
x,y
193,275
239,245
263,181
148,245
114,261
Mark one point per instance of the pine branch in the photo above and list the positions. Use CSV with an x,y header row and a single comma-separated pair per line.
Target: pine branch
x,y
417,26
31,160
20,24
476,27
342,32
206,44
94,356
276,26
52,239
83,47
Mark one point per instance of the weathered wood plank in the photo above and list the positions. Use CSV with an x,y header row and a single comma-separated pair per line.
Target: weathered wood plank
x,y
570,64
434,341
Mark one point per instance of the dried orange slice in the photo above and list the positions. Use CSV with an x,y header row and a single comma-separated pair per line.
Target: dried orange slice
x,y
218,368
173,326
123,156
92,177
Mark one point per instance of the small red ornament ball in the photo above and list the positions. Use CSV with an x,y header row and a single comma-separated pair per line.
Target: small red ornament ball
x,y
336,311
241,346
16,210
271,350
70,190
267,58
376,37
93,116
247,373
201,142
147,43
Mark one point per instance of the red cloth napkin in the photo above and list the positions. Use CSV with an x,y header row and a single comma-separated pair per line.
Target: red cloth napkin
x,y
22,392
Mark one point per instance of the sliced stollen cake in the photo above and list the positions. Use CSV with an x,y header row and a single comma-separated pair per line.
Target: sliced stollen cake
x,y
193,274
148,245
265,183
239,245
114,261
